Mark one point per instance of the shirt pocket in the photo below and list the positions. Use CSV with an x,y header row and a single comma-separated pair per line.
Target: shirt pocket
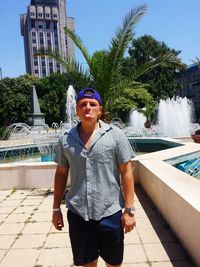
x,y
105,154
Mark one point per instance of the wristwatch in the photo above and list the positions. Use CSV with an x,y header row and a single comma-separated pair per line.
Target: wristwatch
x,y
130,211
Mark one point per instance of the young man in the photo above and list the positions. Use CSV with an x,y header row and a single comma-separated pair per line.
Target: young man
x,y
96,154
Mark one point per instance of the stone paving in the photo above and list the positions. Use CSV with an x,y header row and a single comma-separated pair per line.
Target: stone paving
x,y
28,239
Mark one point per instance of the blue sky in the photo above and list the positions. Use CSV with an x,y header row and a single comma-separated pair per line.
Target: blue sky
x,y
176,22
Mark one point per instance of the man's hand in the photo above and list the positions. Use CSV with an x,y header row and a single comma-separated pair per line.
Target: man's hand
x,y
57,220
128,222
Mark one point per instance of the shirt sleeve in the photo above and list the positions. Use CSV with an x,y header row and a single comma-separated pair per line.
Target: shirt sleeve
x,y
124,150
60,157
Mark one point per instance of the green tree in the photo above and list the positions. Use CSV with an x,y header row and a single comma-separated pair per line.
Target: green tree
x,y
15,99
162,79
51,91
135,97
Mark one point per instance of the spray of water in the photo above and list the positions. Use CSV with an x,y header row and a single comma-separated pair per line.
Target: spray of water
x,y
175,117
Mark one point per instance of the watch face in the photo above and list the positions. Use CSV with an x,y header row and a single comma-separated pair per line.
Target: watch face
x,y
130,210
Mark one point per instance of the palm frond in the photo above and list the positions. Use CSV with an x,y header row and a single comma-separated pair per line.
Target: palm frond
x,y
79,43
166,60
72,67
123,37
196,61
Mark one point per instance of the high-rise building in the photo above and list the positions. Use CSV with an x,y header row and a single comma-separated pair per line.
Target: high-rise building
x,y
42,28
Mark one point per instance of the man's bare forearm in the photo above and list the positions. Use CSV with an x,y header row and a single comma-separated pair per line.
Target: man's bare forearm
x,y
127,184
60,182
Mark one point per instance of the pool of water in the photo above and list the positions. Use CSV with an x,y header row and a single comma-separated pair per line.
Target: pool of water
x,y
189,163
32,153
149,145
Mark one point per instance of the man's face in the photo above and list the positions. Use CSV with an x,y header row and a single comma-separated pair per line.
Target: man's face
x,y
88,109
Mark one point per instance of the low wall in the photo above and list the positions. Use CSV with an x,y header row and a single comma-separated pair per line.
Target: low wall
x,y
27,176
176,195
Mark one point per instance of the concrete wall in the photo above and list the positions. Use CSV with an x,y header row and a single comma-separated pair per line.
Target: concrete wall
x,y
176,195
27,176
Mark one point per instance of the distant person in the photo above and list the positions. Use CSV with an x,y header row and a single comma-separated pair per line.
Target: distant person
x,y
96,154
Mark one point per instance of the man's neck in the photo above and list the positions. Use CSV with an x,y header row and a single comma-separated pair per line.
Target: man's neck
x,y
87,128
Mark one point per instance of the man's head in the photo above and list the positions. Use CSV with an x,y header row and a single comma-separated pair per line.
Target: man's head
x,y
89,105
89,93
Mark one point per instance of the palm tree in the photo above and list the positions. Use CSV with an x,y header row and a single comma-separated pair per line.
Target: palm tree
x,y
196,61
105,67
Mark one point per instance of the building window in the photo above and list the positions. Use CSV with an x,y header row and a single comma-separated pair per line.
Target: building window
x,y
51,70
40,26
36,71
32,14
34,41
40,15
33,33
47,15
55,25
55,16
44,73
47,24
58,67
32,23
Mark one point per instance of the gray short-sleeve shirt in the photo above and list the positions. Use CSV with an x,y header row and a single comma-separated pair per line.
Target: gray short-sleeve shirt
x,y
95,190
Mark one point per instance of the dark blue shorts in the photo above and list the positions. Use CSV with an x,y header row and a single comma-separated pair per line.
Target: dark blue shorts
x,y
91,239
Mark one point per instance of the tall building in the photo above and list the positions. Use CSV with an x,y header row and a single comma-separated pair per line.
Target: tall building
x,y
42,28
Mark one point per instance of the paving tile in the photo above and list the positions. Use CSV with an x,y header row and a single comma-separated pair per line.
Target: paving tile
x,y
25,209
37,228
41,216
19,194
31,202
6,209
2,253
23,258
142,213
134,254
30,241
150,235
3,216
152,222
172,264
132,237
11,228
17,218
55,257
136,265
6,241
5,193
10,203
57,240
164,252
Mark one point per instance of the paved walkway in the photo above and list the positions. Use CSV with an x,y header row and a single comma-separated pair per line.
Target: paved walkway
x,y
28,239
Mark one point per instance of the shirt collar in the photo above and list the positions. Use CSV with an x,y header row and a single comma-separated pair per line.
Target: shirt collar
x,y
74,131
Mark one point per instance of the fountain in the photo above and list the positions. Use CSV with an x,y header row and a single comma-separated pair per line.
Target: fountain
x,y
137,121
175,117
174,120
71,107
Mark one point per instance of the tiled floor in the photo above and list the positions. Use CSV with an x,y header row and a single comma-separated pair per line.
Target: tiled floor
x,y
28,239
